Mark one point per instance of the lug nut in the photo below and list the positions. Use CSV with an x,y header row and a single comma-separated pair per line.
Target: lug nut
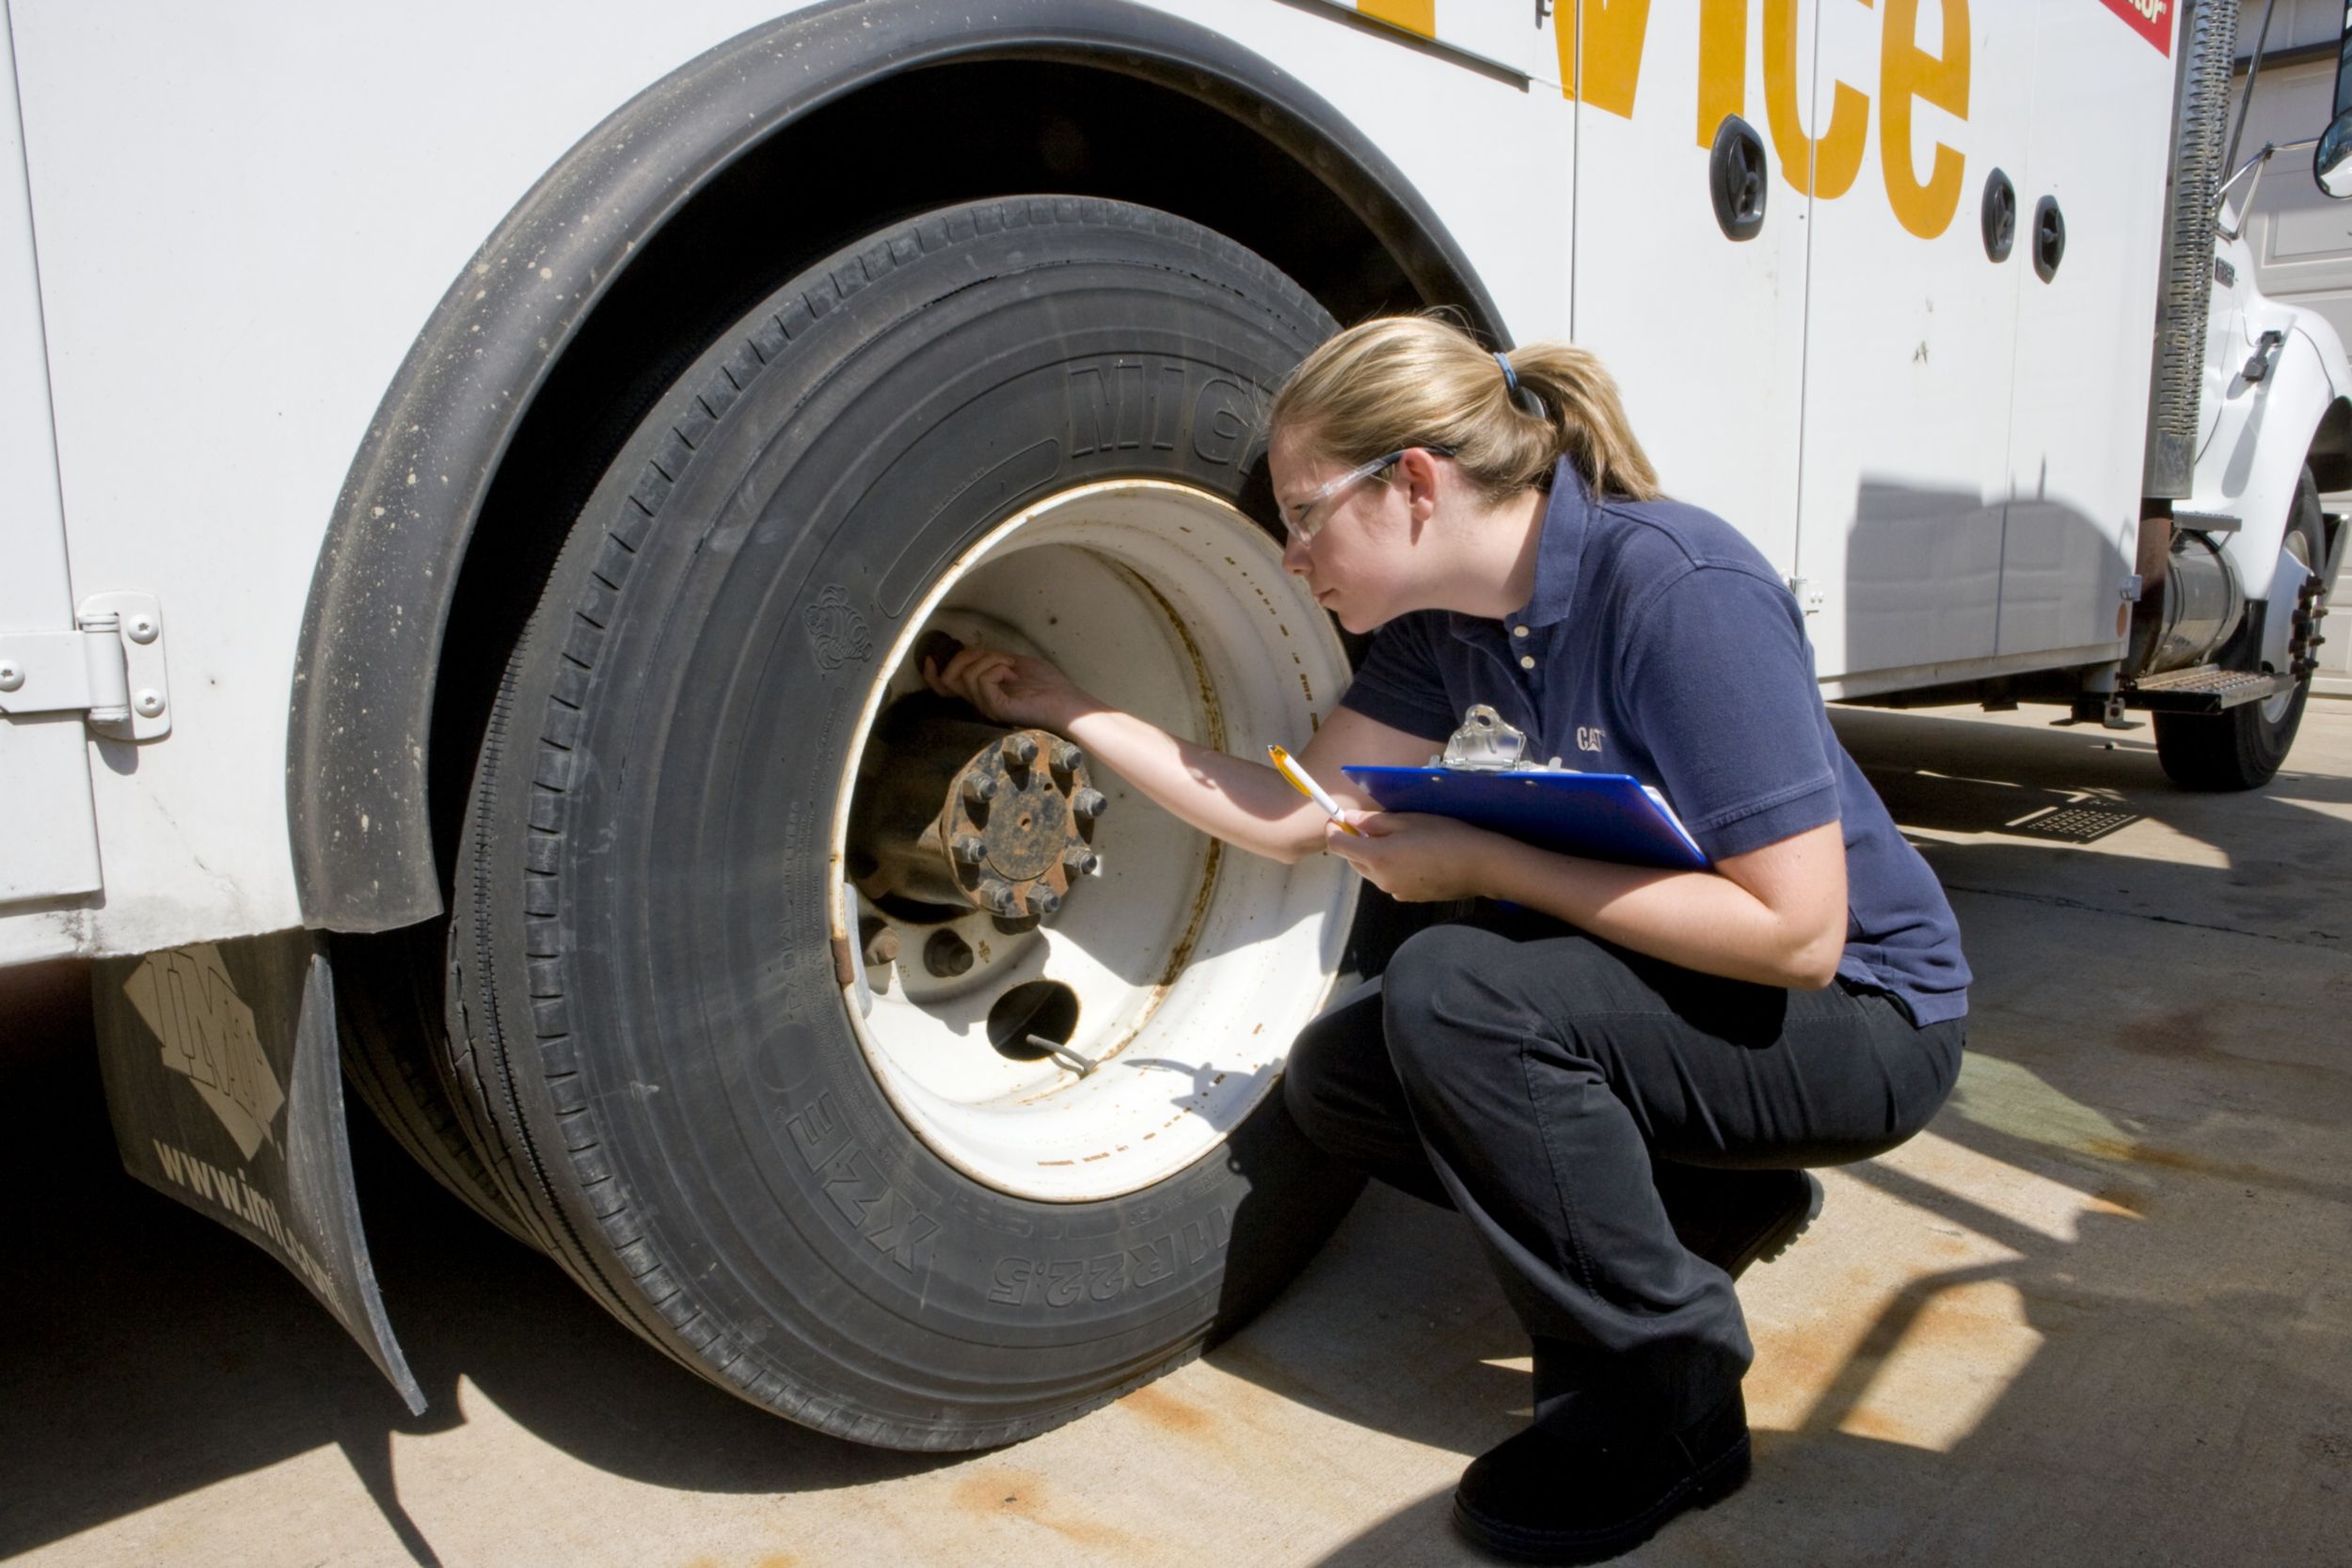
x,y
1081,860
1089,803
946,954
879,945
1044,901
1067,757
1000,898
1020,750
980,789
970,848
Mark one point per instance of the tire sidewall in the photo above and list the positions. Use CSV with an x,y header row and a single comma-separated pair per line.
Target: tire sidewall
x,y
2242,748
699,668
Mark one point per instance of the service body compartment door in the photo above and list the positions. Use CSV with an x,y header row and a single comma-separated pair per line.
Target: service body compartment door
x,y
1911,338
2102,96
50,851
1704,335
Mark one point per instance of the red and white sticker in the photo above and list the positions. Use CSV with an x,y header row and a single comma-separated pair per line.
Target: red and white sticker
x,y
2150,19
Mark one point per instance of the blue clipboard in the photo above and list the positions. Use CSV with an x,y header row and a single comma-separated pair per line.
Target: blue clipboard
x,y
1603,816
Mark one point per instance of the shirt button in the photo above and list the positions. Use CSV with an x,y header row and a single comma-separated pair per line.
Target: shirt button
x,y
1518,631
1527,661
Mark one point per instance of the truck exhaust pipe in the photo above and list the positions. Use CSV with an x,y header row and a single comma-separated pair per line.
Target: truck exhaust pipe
x,y
2208,50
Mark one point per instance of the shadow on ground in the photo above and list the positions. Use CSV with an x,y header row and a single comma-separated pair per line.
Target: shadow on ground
x,y
150,1353
2160,1028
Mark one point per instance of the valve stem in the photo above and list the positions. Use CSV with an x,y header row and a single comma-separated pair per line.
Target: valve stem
x,y
1075,1061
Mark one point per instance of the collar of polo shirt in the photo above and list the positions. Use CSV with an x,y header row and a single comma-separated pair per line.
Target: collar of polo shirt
x,y
1559,561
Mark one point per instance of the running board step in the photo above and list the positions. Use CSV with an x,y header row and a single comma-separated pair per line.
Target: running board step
x,y
2204,688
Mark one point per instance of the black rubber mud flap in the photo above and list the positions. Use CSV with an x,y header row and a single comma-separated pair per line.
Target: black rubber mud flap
x,y
225,1086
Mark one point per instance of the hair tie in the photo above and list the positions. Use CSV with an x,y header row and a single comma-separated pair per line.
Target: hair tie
x,y
1528,402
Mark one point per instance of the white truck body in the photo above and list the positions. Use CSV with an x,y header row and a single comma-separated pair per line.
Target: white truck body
x,y
226,225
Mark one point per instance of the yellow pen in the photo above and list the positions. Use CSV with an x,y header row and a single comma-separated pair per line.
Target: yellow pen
x,y
1307,786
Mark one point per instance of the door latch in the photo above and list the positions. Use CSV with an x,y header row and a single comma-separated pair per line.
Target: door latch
x,y
2258,367
109,668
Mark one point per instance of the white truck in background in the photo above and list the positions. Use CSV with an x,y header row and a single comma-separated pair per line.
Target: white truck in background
x,y
484,478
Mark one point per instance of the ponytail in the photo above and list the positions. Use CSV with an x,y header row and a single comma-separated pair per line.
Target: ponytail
x,y
1398,381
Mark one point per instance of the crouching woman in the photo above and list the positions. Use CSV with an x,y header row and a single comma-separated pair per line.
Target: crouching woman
x,y
1618,1078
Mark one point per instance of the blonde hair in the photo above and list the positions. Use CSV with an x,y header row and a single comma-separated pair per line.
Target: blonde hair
x,y
1402,381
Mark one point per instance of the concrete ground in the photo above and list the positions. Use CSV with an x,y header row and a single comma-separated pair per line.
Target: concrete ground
x,y
2101,1313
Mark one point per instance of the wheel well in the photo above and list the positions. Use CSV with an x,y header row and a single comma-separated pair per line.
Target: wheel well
x,y
632,253
2331,449
904,144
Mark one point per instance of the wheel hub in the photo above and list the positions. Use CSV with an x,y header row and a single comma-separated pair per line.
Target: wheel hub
x,y
956,811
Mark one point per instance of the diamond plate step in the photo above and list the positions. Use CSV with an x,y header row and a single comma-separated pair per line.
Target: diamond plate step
x,y
2205,688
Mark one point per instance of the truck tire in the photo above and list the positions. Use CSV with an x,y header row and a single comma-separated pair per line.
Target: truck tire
x,y
2243,747
389,991
919,1209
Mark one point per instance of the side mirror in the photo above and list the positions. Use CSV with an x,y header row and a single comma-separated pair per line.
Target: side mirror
x,y
2332,160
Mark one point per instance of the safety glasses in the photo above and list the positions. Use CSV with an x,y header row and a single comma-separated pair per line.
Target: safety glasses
x,y
1302,520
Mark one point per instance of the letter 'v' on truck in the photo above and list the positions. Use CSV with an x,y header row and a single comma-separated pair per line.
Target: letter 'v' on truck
x,y
481,513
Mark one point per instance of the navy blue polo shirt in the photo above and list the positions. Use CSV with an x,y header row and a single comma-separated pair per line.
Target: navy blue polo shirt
x,y
1660,643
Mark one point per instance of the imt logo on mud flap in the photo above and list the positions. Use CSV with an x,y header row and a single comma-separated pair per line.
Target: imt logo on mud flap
x,y
233,1193
187,998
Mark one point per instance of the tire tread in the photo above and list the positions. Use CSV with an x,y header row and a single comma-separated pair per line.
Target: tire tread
x,y
579,1207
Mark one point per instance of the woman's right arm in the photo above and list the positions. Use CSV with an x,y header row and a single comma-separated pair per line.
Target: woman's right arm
x,y
1245,803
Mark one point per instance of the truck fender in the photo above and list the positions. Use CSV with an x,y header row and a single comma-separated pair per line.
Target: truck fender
x,y
2269,429
377,618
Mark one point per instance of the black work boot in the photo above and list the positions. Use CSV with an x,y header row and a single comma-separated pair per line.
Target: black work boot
x,y
1734,1218
1539,1497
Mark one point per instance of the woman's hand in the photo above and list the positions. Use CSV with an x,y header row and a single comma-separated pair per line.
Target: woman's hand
x,y
1010,689
1413,858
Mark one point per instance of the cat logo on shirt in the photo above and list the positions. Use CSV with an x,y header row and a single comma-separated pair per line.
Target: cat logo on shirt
x,y
1589,737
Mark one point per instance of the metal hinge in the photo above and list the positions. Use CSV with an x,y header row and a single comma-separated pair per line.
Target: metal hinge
x,y
109,668
1810,598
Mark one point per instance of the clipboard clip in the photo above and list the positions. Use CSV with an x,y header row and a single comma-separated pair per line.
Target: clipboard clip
x,y
1485,744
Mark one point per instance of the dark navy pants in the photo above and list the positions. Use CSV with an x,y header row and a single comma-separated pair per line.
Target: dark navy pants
x,y
1561,1093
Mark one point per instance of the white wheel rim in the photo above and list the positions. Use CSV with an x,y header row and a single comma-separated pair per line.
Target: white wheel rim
x,y
1193,965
